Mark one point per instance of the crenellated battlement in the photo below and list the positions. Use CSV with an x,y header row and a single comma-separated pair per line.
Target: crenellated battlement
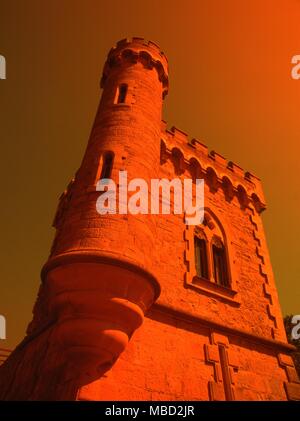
x,y
140,42
138,49
193,152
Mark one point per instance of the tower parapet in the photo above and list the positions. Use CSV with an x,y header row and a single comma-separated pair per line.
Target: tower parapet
x,y
195,151
138,49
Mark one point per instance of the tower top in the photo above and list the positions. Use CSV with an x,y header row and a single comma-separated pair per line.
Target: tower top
x,y
138,49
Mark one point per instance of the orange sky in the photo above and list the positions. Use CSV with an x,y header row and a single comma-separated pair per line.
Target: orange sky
x,y
230,86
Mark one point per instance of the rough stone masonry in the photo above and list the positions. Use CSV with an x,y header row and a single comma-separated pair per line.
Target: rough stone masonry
x,y
145,307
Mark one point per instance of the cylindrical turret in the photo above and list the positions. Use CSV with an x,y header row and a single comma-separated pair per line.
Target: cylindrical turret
x,y
100,277
126,133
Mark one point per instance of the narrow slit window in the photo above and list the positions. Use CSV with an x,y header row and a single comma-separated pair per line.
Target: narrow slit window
x,y
201,257
122,92
107,165
220,265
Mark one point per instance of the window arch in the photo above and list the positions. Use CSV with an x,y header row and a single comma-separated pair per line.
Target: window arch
x,y
178,161
210,252
220,262
200,249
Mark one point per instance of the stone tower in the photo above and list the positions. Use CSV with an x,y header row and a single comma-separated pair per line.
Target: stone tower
x,y
144,306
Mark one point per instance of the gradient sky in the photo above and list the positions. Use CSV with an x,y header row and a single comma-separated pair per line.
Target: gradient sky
x,y
230,86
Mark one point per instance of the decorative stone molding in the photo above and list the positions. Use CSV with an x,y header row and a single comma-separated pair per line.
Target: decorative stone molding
x,y
226,365
292,386
138,50
253,338
212,232
218,172
264,269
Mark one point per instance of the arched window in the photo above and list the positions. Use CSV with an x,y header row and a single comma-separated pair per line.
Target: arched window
x,y
178,161
201,257
220,263
210,254
107,165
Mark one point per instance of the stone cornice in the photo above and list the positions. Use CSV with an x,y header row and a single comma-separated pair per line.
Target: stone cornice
x,y
222,328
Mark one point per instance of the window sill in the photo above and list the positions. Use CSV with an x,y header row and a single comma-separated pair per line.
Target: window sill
x,y
213,289
121,105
